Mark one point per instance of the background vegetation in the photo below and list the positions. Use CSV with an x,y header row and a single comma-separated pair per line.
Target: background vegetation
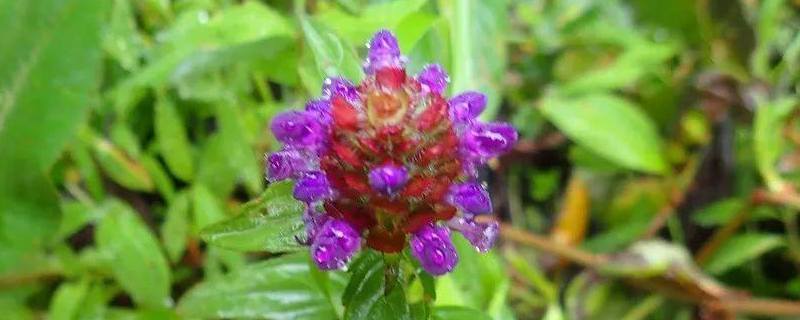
x,y
132,132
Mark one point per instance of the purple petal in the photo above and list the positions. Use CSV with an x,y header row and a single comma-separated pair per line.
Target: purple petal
x,y
334,245
434,78
321,108
467,106
481,235
471,198
299,129
488,140
314,221
313,186
335,86
431,245
286,164
383,43
388,179
384,51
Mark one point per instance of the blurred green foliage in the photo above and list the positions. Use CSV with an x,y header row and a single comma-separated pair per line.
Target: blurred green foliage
x,y
132,133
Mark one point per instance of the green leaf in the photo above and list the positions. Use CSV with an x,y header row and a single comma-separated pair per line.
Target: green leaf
x,y
458,313
239,152
478,29
122,41
49,76
632,64
717,213
768,140
173,142
271,223
357,29
740,249
206,209
134,255
611,127
119,166
175,229
365,296
279,288
332,55
67,300
161,179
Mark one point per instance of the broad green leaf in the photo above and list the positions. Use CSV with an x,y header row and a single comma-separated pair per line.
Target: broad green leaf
x,y
478,45
768,140
279,288
175,229
333,56
67,300
134,256
458,313
49,76
174,145
611,127
365,296
270,222
740,249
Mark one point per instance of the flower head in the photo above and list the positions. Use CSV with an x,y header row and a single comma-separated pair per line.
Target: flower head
x,y
390,162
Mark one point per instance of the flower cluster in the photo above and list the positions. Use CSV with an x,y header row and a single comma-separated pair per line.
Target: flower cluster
x,y
390,161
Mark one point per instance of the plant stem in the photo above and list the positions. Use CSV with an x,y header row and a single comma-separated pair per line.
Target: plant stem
x,y
392,271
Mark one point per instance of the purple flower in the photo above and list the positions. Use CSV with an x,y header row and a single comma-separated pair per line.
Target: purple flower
x,y
481,235
335,86
321,108
298,129
391,162
434,78
384,52
467,106
334,244
471,198
312,187
286,164
482,141
388,179
431,245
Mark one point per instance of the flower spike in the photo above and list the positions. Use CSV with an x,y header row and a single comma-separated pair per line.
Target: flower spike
x,y
390,163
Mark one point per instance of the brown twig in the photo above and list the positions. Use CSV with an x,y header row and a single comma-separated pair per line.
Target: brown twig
x,y
734,303
583,258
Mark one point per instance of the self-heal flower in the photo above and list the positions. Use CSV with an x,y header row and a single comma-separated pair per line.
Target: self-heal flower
x,y
390,163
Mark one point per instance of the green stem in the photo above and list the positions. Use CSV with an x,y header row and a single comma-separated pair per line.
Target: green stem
x,y
392,271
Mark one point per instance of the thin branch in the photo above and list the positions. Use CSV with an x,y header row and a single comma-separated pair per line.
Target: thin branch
x,y
583,258
737,304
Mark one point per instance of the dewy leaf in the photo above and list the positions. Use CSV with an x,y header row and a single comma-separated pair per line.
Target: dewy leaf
x,y
49,76
134,255
279,288
173,142
478,29
271,223
740,249
611,127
